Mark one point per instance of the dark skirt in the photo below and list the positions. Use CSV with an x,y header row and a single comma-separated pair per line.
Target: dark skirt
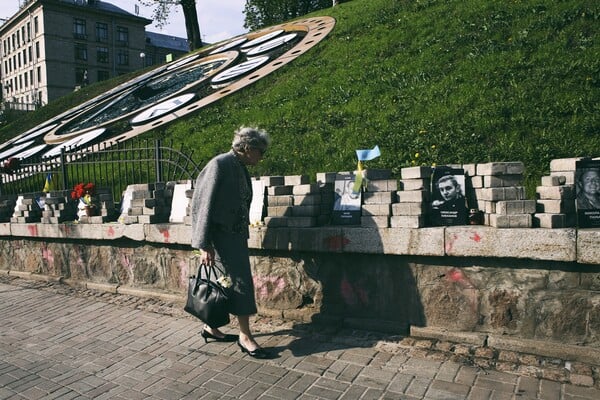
x,y
232,257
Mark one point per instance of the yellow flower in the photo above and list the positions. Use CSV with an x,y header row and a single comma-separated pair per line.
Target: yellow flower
x,y
417,155
224,281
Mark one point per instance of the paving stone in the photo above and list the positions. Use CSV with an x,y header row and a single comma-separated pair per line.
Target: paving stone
x,y
111,346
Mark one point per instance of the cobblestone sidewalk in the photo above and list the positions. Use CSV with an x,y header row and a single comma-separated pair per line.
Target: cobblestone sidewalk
x,y
61,342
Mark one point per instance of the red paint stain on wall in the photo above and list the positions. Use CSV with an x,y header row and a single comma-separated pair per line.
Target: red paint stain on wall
x,y
33,230
476,237
165,233
335,243
111,231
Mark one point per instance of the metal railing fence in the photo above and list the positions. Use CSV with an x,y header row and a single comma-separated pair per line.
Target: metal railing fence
x,y
114,167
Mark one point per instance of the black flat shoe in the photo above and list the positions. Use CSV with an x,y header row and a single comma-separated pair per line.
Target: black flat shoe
x,y
226,338
258,353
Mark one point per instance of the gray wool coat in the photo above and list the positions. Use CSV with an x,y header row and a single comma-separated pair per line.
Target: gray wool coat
x,y
218,201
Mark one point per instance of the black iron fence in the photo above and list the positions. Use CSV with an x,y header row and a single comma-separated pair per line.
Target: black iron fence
x,y
115,167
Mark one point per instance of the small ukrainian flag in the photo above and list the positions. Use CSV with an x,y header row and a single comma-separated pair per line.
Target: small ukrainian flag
x,y
48,187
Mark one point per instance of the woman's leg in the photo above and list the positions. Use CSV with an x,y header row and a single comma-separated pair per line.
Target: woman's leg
x,y
214,331
246,338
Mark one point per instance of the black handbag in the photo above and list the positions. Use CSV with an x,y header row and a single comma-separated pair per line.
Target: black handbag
x,y
207,299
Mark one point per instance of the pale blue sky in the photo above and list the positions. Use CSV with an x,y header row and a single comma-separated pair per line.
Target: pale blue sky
x,y
219,19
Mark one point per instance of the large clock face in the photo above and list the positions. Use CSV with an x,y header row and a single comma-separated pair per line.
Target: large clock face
x,y
170,91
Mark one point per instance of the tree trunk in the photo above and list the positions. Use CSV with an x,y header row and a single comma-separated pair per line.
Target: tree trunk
x,y
192,27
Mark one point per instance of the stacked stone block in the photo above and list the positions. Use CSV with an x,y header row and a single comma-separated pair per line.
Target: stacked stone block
x,y
150,204
293,201
7,207
556,196
188,211
59,207
564,167
502,197
27,209
413,198
377,198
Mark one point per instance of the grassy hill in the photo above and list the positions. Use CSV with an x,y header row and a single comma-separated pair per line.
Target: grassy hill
x,y
430,82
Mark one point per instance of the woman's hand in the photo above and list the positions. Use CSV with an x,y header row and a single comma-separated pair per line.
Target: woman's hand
x,y
208,256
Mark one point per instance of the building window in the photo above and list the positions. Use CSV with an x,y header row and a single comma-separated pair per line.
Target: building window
x,y
123,58
101,32
122,36
29,51
79,28
29,31
81,52
25,57
102,54
37,50
103,75
39,74
35,25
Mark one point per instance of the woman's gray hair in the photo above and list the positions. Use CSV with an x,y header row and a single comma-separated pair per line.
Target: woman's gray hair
x,y
248,137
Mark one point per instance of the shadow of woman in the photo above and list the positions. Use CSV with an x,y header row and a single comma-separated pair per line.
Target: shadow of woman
x,y
343,299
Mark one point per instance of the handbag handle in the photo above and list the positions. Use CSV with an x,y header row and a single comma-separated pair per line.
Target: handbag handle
x,y
208,270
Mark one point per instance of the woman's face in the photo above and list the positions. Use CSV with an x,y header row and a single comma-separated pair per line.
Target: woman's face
x,y
590,182
253,155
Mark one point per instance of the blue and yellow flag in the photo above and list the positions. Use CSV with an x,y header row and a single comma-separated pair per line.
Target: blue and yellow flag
x,y
363,155
48,186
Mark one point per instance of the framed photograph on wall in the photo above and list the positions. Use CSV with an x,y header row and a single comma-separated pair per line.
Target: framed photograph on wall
x,y
448,202
587,193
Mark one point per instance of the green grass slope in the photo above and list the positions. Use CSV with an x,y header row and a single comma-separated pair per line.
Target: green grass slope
x,y
431,82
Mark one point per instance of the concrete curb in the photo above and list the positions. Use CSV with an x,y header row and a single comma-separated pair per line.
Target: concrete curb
x,y
566,352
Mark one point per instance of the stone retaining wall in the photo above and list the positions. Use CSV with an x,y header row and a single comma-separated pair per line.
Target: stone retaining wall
x,y
525,284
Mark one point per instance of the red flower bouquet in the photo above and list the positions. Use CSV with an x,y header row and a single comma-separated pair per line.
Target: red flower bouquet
x,y
83,191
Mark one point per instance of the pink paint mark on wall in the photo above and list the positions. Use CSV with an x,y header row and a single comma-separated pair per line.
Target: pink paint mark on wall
x,y
111,231
457,276
475,237
47,255
127,264
450,243
33,230
165,233
268,286
335,243
184,273
353,293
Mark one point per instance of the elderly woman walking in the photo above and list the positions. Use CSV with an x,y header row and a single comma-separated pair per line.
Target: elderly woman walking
x,y
220,218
